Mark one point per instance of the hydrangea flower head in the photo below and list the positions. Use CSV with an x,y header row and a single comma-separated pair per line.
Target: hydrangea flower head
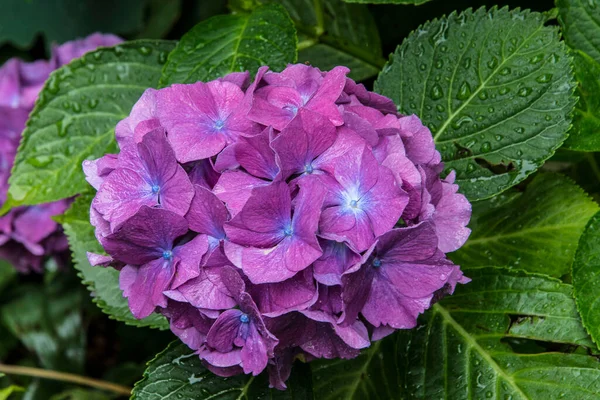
x,y
28,234
295,215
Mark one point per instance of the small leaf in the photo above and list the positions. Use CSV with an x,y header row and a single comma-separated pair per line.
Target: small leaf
x,y
230,43
462,350
331,33
178,373
537,230
6,393
586,278
102,282
75,116
48,321
495,88
579,22
585,134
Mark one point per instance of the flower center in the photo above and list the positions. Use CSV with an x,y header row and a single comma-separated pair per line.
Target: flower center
x,y
288,231
376,263
354,203
167,254
155,189
244,318
291,108
308,168
219,124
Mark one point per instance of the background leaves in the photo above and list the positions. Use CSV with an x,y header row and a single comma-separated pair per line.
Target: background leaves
x,y
536,230
102,282
229,43
75,116
495,88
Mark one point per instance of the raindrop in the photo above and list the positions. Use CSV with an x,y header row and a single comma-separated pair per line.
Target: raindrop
x,y
439,64
483,95
544,78
491,109
440,108
423,67
498,137
536,59
493,63
524,92
504,90
465,119
145,50
505,71
93,103
467,63
486,147
437,92
464,91
40,161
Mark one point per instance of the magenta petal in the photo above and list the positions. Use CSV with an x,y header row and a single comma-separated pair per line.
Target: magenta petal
x,y
306,137
256,156
207,291
336,259
146,291
452,214
225,329
296,293
207,214
222,359
324,99
420,146
189,255
145,236
254,353
264,219
235,188
144,110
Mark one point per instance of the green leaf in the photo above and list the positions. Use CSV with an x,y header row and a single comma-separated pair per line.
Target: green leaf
x,y
536,230
163,15
372,375
229,43
579,20
331,33
75,116
5,393
585,134
462,350
7,274
586,279
495,88
22,21
102,282
177,373
48,321
412,2
80,394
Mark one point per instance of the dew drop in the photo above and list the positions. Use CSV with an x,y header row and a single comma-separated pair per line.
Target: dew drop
x,y
467,63
520,130
491,109
93,103
464,91
439,64
524,92
437,92
40,161
483,95
486,147
493,63
505,71
423,67
498,137
536,59
440,108
465,119
145,50
504,90
544,78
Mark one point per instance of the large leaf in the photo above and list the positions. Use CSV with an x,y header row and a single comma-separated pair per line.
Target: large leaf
x,y
537,230
586,278
461,350
102,282
495,88
374,374
48,321
177,373
230,43
22,21
580,22
75,116
585,134
331,33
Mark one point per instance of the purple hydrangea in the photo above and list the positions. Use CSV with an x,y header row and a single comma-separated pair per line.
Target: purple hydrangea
x,y
297,215
28,234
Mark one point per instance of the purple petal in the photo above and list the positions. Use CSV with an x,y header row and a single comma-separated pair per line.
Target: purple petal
x,y
145,293
207,214
336,259
234,189
208,291
256,156
189,256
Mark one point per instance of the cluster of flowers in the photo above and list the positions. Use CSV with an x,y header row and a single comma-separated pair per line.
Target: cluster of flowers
x,y
28,234
299,215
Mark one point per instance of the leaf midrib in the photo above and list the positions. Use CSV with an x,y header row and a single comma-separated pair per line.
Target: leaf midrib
x,y
483,84
472,343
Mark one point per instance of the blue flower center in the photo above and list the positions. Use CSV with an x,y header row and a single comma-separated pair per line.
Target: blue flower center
x,y
244,318
155,189
354,203
219,124
291,108
288,231
167,254
376,263
308,168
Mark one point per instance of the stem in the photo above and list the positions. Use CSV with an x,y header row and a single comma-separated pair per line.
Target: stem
x,y
65,377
